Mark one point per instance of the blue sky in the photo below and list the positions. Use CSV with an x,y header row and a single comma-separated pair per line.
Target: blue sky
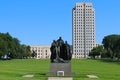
x,y
36,22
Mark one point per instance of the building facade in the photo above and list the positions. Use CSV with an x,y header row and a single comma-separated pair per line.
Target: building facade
x,y
42,52
83,29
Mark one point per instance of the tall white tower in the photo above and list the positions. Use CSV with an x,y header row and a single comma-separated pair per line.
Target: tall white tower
x,y
83,29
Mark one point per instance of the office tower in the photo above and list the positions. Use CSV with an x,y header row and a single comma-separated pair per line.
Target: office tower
x,y
83,29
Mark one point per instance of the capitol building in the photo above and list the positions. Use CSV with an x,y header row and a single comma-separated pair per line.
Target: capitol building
x,y
83,33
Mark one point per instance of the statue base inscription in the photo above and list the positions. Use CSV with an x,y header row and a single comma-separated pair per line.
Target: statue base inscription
x,y
60,69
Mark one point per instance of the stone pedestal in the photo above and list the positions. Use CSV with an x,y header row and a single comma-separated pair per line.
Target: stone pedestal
x,y
60,69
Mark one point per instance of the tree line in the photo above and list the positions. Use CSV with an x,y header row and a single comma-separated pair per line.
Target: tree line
x,y
109,49
11,47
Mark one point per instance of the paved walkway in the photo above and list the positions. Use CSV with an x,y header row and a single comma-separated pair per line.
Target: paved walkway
x,y
59,78
29,75
92,76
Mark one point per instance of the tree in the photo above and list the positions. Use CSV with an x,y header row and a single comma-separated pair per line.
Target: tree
x,y
118,49
112,45
11,47
34,54
96,51
25,51
3,48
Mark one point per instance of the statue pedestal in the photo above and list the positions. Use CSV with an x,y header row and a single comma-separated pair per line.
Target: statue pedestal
x,y
60,69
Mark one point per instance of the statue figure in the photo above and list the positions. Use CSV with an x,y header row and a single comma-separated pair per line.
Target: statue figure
x,y
68,51
60,43
60,51
53,50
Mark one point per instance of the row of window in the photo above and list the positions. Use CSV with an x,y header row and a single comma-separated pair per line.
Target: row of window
x,y
83,17
39,50
81,28
89,6
81,21
82,9
83,38
78,57
80,32
84,25
80,38
87,24
87,48
78,48
42,54
82,43
82,14
43,57
79,53
89,43
77,45
75,51
81,35
88,18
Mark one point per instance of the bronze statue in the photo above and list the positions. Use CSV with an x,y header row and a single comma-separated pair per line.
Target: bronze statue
x,y
60,51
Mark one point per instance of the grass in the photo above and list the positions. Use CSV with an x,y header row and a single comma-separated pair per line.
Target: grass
x,y
15,69
104,70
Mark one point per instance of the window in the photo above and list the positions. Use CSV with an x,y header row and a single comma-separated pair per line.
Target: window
x,y
38,53
45,50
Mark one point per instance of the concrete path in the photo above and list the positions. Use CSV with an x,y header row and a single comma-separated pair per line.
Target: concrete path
x,y
29,75
59,78
92,76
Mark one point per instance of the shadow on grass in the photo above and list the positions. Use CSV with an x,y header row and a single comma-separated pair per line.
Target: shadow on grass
x,y
42,74
80,76
114,61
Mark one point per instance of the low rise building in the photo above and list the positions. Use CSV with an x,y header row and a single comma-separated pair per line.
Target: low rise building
x,y
42,51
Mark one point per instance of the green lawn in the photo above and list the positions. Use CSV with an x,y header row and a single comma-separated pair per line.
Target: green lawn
x,y
15,69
